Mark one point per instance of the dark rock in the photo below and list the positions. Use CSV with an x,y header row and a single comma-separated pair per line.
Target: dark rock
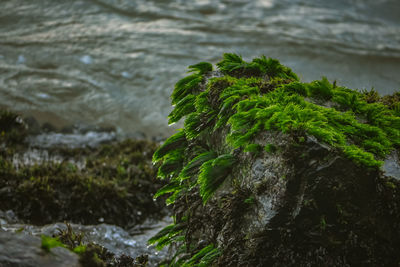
x,y
269,171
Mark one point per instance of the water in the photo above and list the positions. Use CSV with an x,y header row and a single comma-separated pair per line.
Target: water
x,y
114,62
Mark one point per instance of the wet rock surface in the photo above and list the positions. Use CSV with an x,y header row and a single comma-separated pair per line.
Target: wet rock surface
x,y
23,250
101,185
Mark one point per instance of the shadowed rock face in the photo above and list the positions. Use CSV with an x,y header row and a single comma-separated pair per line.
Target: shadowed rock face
x,y
309,206
21,250
300,174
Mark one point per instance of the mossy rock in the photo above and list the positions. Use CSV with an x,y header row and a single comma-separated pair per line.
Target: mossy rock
x,y
115,185
13,130
270,171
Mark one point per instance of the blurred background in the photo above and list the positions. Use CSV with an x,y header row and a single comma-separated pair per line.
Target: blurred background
x,y
115,62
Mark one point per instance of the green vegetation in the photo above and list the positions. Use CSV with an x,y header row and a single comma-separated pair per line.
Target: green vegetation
x,y
270,148
114,182
169,234
90,254
213,173
203,258
12,128
50,242
254,97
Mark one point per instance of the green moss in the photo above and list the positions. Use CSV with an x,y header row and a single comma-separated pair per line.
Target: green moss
x,y
90,253
182,108
320,89
169,234
201,68
203,258
176,141
12,128
253,148
258,96
270,148
186,86
234,65
213,173
116,179
50,242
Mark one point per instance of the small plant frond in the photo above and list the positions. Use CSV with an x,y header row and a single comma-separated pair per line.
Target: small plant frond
x,y
186,86
171,199
169,188
270,148
172,164
239,91
174,142
50,242
370,96
273,68
193,167
360,156
347,98
177,261
183,108
193,125
230,62
253,148
220,83
167,235
241,138
176,238
296,87
201,103
243,120
320,89
201,67
213,173
203,258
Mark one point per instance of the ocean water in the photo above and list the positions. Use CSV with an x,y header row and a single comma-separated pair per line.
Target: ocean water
x,y
115,62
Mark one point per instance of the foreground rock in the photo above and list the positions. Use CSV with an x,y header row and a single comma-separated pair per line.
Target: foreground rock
x,y
269,171
21,250
85,177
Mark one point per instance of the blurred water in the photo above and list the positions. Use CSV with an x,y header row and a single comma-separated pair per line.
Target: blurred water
x,y
114,62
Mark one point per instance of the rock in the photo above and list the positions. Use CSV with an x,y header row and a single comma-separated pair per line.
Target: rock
x,y
269,171
21,250
87,177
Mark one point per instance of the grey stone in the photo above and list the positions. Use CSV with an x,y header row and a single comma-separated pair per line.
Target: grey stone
x,y
22,250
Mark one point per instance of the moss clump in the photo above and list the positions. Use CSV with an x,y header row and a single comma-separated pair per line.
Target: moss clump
x,y
13,130
391,101
50,242
90,254
224,116
115,185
